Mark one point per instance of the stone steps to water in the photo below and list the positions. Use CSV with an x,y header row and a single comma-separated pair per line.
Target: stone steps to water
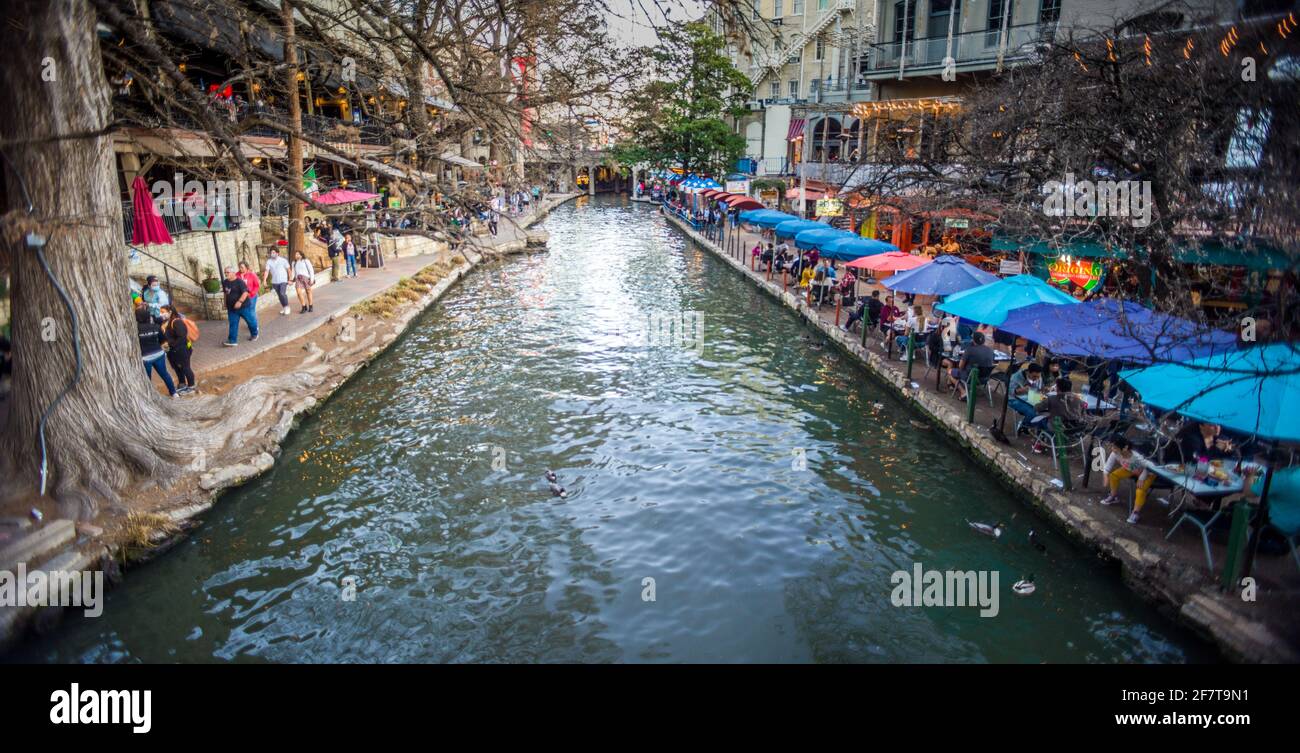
x,y
38,545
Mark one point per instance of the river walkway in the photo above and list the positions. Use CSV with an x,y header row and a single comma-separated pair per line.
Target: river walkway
x,y
59,543
1172,573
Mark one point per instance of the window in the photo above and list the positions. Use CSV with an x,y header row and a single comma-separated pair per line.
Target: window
x,y
754,9
815,87
778,44
777,9
1049,12
794,90
796,7
941,12
820,49
998,10
904,14
823,4
775,92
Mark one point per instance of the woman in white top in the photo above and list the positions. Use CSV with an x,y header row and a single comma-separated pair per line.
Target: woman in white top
x,y
304,277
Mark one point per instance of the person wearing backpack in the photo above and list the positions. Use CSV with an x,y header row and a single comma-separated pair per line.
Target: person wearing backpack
x,y
151,347
180,334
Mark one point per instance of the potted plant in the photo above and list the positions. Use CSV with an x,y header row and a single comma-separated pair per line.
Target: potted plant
x,y
210,282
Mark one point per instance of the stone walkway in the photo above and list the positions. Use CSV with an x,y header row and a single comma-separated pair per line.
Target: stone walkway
x,y
335,298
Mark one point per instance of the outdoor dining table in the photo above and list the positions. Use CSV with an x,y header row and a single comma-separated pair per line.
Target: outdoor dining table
x,y
1191,482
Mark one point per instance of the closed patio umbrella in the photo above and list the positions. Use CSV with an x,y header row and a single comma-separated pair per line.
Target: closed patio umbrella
x,y
147,225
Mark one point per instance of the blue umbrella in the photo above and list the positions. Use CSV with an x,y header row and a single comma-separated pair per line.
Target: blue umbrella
x,y
1121,330
819,236
792,227
1255,391
848,249
768,218
990,304
944,276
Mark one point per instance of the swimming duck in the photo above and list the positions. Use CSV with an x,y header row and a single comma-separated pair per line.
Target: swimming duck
x,y
558,491
1023,587
1035,543
986,529
550,476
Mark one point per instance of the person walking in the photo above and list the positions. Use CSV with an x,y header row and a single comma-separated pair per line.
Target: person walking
x,y
304,279
151,349
252,282
154,296
277,276
335,249
179,333
350,255
237,307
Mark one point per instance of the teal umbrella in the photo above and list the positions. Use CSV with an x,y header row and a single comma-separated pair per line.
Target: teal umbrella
x,y
791,228
1254,391
989,304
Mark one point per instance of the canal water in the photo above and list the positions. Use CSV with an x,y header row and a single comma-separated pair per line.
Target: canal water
x,y
745,496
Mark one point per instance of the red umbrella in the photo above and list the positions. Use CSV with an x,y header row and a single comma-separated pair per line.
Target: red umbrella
x,y
343,196
146,224
892,261
744,202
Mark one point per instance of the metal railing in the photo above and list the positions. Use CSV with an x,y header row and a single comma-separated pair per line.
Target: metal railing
x,y
967,47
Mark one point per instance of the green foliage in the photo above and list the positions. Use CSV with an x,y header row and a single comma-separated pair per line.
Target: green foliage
x,y
679,119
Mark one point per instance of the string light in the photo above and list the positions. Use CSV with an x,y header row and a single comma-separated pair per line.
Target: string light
x,y
1146,48
1187,48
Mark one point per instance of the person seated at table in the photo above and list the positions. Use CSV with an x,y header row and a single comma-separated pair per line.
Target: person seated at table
x,y
888,313
977,356
848,287
869,306
915,328
1204,441
1124,462
1025,380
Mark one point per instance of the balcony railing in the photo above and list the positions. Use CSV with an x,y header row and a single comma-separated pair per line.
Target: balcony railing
x,y
967,48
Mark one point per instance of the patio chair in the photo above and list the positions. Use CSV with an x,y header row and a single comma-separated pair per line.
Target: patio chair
x,y
997,379
1284,517
1202,520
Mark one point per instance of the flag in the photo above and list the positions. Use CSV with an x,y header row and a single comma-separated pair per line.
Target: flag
x,y
309,180
868,229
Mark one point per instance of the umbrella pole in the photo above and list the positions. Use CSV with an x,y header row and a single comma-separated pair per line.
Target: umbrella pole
x,y
1006,394
1261,521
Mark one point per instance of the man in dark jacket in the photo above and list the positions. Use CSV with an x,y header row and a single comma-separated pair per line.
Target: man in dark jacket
x,y
238,307
151,351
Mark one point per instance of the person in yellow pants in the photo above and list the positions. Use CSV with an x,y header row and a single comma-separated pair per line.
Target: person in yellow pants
x,y
1125,463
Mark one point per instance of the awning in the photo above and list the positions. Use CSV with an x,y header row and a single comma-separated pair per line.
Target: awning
x,y
812,194
385,170
796,129
318,153
456,159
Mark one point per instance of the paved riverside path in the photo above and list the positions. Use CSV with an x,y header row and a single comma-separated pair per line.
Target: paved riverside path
x,y
335,298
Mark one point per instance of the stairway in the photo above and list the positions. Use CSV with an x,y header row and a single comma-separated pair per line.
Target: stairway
x,y
800,40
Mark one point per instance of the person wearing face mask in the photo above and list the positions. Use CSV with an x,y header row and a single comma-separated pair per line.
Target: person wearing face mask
x,y
179,334
154,296
151,347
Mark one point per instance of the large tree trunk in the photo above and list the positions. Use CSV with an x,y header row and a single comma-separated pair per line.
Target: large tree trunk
x,y
111,425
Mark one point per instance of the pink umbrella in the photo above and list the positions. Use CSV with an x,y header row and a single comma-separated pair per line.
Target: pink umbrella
x,y
146,224
343,196
893,261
